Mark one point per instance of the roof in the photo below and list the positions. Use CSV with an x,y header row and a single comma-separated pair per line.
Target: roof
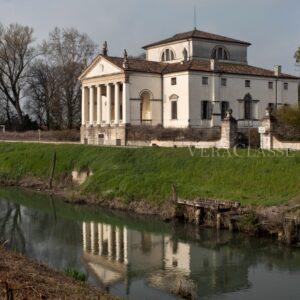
x,y
197,34
153,67
224,67
138,65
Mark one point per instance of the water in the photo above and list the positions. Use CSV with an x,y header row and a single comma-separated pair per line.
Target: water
x,y
144,258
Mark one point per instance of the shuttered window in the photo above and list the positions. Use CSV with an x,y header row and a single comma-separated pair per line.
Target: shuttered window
x,y
205,110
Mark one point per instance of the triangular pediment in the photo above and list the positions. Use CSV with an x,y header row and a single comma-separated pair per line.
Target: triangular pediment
x,y
100,67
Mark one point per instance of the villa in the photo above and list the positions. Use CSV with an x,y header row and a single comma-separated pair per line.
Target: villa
x,y
188,80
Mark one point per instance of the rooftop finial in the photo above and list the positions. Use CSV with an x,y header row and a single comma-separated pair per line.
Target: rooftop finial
x,y
105,49
125,61
195,18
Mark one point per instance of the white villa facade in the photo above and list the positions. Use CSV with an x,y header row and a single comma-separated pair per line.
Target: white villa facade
x,y
188,80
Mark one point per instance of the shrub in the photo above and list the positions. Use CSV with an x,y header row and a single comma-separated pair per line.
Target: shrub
x,y
287,125
248,223
148,133
75,274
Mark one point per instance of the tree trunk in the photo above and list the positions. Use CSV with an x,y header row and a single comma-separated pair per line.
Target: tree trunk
x,y
19,113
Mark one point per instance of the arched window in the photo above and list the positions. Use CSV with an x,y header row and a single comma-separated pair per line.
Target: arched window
x,y
248,103
168,55
145,108
220,53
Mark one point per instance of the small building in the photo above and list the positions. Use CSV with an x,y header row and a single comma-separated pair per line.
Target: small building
x,y
188,80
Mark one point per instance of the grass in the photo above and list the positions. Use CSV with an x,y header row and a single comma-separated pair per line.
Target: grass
x,y
75,274
148,173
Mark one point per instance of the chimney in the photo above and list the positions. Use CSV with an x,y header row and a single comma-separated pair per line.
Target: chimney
x,y
277,70
213,65
105,49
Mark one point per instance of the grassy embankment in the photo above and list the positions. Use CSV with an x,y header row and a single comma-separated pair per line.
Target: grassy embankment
x,y
22,278
148,173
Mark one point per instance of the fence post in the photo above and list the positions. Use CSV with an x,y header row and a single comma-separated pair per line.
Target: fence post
x,y
39,134
53,169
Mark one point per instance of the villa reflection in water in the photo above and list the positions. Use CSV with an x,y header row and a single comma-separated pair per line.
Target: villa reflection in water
x,y
117,254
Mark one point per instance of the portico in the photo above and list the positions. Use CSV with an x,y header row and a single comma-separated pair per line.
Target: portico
x,y
103,103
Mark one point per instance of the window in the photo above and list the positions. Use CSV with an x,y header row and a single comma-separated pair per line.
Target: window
x,y
224,109
173,81
247,83
223,81
173,110
272,106
205,110
248,107
220,53
286,86
271,85
204,80
168,55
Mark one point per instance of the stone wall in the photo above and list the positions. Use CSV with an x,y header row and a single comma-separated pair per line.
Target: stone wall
x,y
108,135
117,136
268,140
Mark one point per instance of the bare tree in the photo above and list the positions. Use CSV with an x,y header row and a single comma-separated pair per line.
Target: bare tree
x,y
44,94
6,114
68,49
16,54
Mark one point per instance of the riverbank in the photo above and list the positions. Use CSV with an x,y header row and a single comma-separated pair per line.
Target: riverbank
x,y
148,180
149,173
26,279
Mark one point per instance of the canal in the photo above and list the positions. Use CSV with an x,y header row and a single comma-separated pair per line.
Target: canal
x,y
144,258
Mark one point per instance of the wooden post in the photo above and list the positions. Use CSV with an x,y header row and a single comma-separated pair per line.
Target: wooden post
x,y
218,221
53,169
174,193
8,292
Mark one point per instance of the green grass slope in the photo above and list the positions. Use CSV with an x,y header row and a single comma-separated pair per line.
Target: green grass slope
x,y
148,173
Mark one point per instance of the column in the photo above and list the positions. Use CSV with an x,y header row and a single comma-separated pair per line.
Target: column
x,y
84,233
117,103
110,242
91,105
93,236
118,243
126,103
83,108
108,93
126,245
99,105
100,238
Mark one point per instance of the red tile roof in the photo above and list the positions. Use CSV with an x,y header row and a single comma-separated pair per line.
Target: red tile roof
x,y
145,66
138,65
197,34
223,67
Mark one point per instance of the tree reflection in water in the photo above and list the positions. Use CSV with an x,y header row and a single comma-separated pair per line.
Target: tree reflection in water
x,y
11,226
142,257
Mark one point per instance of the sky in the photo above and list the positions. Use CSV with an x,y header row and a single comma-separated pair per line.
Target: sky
x,y
272,26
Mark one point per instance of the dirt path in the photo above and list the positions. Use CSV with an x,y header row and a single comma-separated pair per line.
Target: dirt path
x,y
26,279
40,142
